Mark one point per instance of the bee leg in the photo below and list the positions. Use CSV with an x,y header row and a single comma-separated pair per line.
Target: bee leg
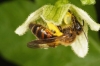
x,y
53,45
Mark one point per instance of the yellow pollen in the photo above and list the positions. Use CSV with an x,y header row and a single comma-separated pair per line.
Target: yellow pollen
x,y
54,28
67,18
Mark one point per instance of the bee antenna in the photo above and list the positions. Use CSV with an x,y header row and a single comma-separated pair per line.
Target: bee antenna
x,y
85,36
84,32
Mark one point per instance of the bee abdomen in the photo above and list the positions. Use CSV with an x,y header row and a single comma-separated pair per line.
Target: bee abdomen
x,y
40,31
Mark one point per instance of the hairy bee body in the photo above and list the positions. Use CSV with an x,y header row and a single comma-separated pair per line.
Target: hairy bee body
x,y
40,31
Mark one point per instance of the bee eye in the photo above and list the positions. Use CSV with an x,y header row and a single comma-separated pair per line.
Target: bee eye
x,y
78,27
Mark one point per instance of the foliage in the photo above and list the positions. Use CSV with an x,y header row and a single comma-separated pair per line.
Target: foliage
x,y
14,48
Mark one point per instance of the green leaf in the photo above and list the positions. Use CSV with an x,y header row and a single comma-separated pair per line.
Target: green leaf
x,y
14,48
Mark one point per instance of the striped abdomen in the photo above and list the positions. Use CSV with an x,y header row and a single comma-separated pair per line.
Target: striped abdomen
x,y
40,31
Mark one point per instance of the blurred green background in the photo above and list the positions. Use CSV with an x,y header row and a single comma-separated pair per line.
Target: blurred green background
x,y
14,50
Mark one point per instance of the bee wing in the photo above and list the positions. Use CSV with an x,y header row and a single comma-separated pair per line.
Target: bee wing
x,y
42,43
37,44
80,45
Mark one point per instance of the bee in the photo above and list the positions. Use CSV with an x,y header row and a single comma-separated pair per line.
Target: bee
x,y
40,31
43,34
48,39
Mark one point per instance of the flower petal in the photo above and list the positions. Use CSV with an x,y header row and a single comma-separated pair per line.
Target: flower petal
x,y
88,2
31,18
80,45
83,15
54,14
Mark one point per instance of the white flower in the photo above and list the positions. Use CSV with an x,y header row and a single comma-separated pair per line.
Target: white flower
x,y
55,14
